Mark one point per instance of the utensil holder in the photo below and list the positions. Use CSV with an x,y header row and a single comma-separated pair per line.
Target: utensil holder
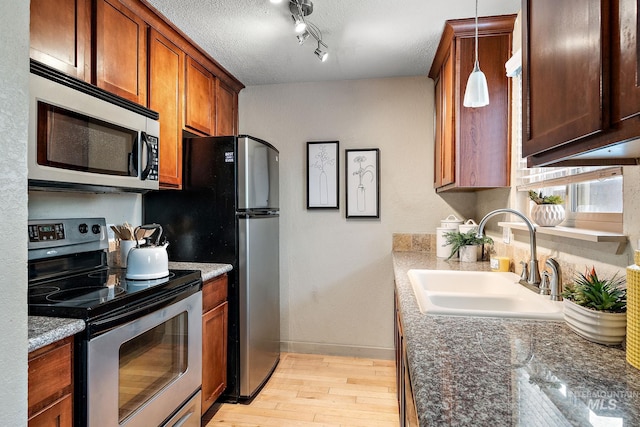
x,y
125,247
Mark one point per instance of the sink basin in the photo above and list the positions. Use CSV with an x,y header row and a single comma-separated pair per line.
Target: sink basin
x,y
480,293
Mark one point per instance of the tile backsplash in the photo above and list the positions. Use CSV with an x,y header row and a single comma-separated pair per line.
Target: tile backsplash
x,y
414,242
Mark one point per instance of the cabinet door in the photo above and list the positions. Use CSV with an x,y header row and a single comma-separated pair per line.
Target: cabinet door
x,y
565,75
121,54
214,354
166,89
226,107
626,69
448,146
60,33
199,98
57,415
482,146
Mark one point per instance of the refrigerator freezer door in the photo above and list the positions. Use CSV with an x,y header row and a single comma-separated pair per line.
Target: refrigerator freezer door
x,y
257,175
259,300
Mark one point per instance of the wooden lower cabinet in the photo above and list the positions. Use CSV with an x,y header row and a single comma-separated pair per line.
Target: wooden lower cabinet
x,y
51,385
214,339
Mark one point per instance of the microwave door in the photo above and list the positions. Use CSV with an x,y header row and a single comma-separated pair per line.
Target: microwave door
x,y
79,141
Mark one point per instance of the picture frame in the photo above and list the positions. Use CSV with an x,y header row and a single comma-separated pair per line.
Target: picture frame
x,y
323,159
362,167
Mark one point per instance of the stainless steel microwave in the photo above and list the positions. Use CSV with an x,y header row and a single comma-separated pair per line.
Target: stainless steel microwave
x,y
83,138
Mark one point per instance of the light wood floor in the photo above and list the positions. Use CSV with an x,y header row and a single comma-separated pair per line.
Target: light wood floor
x,y
314,390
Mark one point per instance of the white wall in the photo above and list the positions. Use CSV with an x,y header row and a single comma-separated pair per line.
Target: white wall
x,y
14,75
115,208
336,274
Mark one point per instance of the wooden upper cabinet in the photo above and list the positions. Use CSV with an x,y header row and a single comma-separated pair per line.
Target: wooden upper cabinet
x,y
60,34
472,145
166,90
199,98
626,57
564,80
226,110
581,88
121,51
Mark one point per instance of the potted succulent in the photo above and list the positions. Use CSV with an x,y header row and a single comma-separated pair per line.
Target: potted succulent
x,y
596,308
467,244
547,210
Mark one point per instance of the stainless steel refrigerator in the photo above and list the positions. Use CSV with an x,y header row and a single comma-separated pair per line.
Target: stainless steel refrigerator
x,y
227,212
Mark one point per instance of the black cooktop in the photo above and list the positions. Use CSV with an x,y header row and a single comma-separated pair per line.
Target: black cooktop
x,y
90,295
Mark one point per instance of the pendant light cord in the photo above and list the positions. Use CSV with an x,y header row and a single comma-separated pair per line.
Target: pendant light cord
x,y
476,66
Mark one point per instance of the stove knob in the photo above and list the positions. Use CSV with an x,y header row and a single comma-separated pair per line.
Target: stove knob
x,y
96,229
83,228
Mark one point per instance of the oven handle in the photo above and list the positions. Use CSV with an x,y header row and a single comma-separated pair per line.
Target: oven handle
x,y
183,419
104,325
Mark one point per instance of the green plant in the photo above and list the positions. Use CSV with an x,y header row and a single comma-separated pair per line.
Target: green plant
x,y
589,291
539,199
458,240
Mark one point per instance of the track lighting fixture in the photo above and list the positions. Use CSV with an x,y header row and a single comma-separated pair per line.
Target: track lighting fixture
x,y
300,10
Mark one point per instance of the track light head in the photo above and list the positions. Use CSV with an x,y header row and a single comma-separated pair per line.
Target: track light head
x,y
302,37
321,54
299,25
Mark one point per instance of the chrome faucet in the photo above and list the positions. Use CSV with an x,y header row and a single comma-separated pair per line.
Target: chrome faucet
x,y
555,287
534,273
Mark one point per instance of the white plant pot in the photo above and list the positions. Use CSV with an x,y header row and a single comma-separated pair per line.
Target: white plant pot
x,y
469,253
547,215
597,326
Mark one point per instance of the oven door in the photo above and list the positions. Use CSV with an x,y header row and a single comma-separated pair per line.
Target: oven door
x,y
141,373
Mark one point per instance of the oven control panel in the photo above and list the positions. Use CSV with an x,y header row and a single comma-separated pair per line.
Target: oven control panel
x,y
54,237
43,232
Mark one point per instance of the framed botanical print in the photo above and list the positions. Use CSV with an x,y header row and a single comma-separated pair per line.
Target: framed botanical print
x,y
323,175
363,183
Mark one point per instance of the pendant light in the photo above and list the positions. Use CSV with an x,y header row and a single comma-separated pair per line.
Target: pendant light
x,y
477,93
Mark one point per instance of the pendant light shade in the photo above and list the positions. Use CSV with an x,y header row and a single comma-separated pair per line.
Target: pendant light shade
x,y
477,92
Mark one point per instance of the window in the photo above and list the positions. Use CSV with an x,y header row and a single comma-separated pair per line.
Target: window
x,y
593,196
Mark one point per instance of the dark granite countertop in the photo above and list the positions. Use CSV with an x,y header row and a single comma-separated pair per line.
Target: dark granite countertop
x,y
208,270
47,330
469,371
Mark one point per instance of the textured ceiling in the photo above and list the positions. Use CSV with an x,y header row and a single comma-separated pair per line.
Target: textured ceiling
x,y
255,41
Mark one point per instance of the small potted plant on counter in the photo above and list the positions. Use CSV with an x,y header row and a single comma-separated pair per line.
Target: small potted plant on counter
x,y
468,244
548,210
595,308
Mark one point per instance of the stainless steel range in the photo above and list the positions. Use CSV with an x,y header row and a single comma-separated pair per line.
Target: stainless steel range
x,y
138,362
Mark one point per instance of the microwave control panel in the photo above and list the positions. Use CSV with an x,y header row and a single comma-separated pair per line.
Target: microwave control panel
x,y
151,171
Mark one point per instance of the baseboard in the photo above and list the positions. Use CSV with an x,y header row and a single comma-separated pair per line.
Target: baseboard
x,y
337,350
